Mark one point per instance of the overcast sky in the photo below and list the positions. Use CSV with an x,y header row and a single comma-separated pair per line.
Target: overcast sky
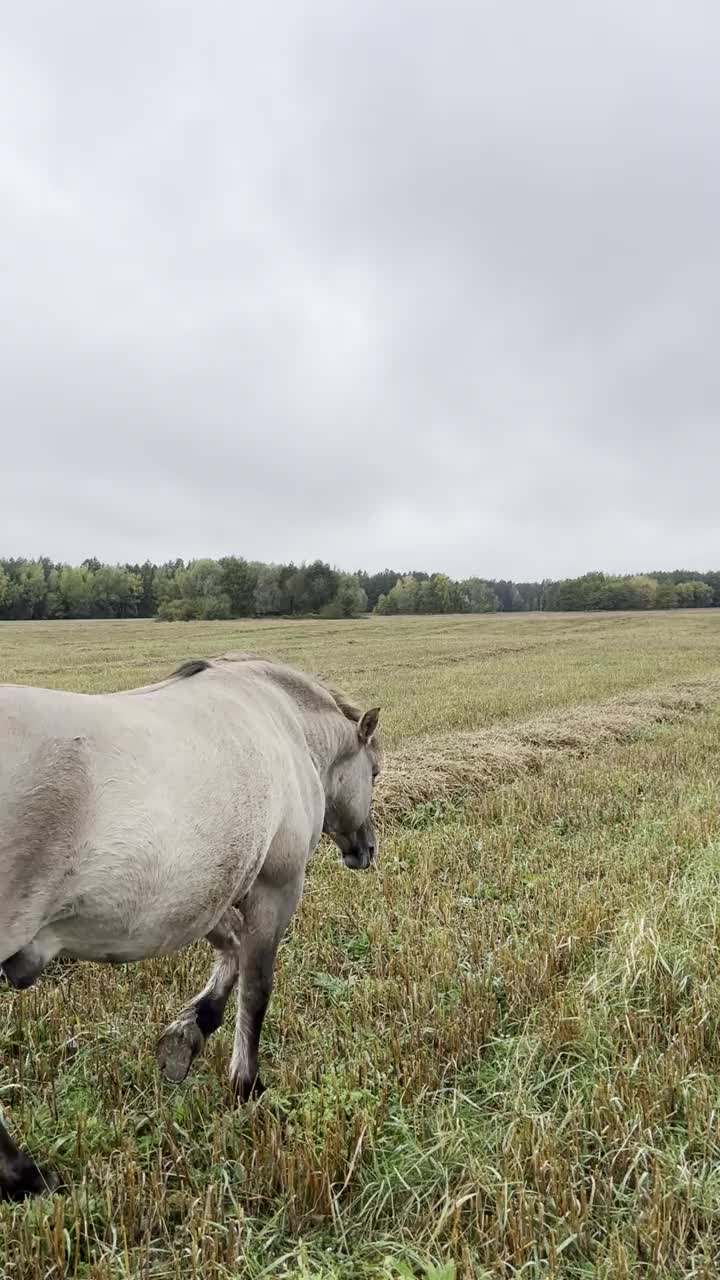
x,y
409,283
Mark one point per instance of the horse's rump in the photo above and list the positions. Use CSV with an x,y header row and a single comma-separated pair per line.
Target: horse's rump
x,y
44,799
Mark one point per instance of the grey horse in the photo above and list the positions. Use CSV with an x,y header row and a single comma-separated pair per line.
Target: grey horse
x,y
133,824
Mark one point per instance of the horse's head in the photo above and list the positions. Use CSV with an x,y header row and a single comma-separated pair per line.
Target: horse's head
x,y
348,798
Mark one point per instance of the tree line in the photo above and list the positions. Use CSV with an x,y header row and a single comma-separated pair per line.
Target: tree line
x,y
237,588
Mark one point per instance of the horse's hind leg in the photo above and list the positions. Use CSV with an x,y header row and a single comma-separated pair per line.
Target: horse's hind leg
x,y
186,1037
19,1175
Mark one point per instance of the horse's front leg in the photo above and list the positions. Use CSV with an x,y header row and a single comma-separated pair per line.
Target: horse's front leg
x,y
267,911
19,1175
186,1037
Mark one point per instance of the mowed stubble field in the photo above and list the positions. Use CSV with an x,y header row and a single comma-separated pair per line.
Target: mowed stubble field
x,y
496,1056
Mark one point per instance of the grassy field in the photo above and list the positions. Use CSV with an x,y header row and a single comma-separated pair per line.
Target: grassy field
x,y
498,1056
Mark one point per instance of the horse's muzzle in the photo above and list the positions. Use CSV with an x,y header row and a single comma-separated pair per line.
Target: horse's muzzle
x,y
359,849
361,854
357,861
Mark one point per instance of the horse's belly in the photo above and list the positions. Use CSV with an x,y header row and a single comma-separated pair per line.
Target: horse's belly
x,y
103,948
157,921
150,881
106,943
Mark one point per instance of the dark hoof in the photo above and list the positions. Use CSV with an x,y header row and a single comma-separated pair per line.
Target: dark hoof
x,y
247,1090
26,1179
177,1048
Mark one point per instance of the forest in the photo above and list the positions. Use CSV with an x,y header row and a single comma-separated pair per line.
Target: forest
x,y
234,587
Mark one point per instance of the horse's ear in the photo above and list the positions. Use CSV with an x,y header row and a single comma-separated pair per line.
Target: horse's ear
x,y
368,726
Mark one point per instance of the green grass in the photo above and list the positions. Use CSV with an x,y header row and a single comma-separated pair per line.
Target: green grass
x,y
499,1056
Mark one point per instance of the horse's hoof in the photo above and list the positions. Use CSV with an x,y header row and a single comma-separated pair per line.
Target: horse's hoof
x,y
28,1179
178,1046
245,1090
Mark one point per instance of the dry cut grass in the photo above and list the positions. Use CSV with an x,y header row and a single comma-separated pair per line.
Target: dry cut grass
x,y
456,767
499,1056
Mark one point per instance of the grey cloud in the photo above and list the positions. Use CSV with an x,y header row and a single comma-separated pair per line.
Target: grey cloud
x,y
408,284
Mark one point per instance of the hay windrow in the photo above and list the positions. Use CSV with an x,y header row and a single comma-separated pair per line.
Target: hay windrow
x,y
459,765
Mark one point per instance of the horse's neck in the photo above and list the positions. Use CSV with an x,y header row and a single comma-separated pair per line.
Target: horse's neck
x,y
328,735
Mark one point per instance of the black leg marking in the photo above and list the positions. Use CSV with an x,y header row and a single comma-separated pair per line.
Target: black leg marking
x,y
184,1039
209,1012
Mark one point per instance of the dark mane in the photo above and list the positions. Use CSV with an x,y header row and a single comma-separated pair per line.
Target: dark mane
x,y
294,677
291,677
191,667
348,708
